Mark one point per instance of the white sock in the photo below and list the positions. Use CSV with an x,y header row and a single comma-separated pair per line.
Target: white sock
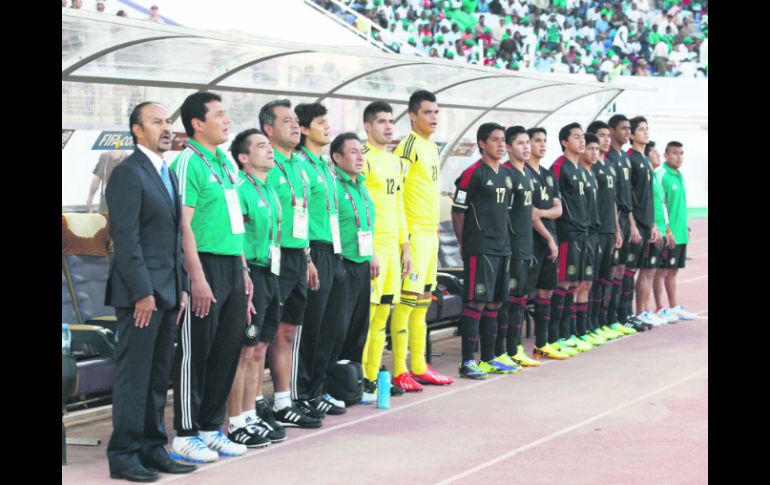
x,y
259,398
282,400
250,416
236,422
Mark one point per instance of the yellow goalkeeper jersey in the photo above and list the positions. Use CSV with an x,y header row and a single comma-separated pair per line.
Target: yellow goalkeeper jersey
x,y
421,189
384,181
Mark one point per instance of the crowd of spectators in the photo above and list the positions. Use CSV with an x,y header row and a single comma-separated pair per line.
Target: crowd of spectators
x,y
604,38
100,6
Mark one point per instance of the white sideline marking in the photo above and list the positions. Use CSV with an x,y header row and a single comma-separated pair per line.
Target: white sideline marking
x,y
693,279
565,430
325,430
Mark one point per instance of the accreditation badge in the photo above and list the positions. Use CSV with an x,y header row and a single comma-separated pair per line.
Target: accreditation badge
x,y
334,222
234,211
275,260
365,247
299,228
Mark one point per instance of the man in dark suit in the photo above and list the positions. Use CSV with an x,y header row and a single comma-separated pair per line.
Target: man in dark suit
x,y
148,288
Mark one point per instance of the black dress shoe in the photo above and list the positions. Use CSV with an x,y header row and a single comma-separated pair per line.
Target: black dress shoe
x,y
167,465
136,474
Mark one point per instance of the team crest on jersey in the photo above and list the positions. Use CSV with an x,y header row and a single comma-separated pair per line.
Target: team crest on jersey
x,y
513,284
508,183
461,195
251,331
589,270
571,270
481,289
550,181
413,276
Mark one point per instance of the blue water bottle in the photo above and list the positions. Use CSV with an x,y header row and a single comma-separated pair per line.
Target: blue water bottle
x,y
66,338
383,388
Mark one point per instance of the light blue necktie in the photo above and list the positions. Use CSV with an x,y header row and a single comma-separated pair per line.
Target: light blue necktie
x,y
166,180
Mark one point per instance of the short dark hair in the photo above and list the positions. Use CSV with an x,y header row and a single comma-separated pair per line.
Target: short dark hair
x,y
306,113
538,129
241,144
615,120
194,107
267,113
565,132
370,112
417,97
591,138
338,144
135,118
635,122
512,132
650,146
674,144
595,126
485,130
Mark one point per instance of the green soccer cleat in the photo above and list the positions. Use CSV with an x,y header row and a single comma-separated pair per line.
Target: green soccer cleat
x,y
580,345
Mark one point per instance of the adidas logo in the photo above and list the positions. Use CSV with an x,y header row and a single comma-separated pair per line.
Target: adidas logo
x,y
489,182
323,406
521,186
574,177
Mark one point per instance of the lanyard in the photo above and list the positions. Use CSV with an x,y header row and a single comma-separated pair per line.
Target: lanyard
x,y
224,165
291,187
269,211
326,187
355,211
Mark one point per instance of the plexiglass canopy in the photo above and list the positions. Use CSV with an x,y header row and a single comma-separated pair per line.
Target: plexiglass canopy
x,y
110,63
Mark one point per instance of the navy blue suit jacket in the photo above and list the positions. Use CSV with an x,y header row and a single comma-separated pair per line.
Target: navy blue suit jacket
x,y
146,230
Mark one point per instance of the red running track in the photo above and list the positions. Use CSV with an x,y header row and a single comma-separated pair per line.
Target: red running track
x,y
632,411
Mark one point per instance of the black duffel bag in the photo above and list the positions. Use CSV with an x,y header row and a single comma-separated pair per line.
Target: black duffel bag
x,y
346,382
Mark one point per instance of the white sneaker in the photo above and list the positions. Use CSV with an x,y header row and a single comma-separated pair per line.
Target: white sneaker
x,y
667,315
649,318
192,448
683,314
220,443
336,402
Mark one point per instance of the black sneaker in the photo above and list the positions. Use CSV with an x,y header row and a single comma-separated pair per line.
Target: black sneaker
x,y
293,417
251,435
327,407
310,410
370,387
265,418
396,391
636,324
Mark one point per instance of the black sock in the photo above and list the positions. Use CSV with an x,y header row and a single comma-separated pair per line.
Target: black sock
x,y
581,318
469,332
604,302
502,327
514,324
613,311
627,296
595,307
488,332
557,310
565,328
542,317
